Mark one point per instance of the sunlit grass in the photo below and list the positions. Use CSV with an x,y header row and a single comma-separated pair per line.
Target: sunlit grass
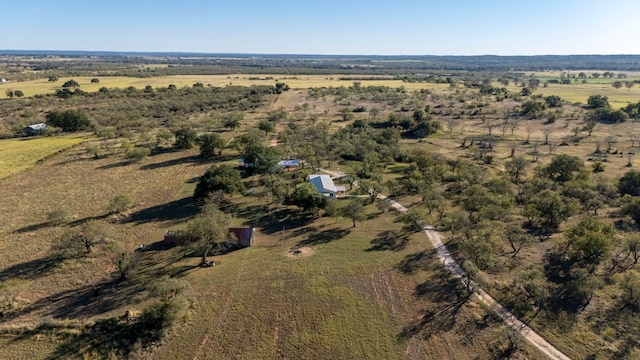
x,y
19,154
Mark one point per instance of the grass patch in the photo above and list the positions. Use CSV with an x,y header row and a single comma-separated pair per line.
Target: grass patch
x,y
19,154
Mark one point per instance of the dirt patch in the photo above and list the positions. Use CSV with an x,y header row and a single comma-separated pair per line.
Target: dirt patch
x,y
300,252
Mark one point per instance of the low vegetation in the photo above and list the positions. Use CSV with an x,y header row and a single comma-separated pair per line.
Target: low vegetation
x,y
536,196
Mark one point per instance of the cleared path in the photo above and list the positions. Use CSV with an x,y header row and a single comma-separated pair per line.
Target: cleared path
x,y
480,295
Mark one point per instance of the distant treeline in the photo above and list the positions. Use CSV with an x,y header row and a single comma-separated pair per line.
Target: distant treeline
x,y
133,64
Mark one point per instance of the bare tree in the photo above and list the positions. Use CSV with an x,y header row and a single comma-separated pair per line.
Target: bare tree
x,y
529,130
629,158
513,147
504,126
546,133
576,130
490,126
610,140
633,138
552,148
452,123
513,124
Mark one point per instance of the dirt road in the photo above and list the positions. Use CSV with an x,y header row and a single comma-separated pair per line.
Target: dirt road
x,y
480,295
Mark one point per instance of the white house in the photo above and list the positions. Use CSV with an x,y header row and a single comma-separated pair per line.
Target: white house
x,y
326,187
3,80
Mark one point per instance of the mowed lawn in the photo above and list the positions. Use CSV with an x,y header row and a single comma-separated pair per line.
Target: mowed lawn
x,y
19,154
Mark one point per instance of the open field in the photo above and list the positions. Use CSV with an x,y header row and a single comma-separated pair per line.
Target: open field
x,y
257,302
19,154
42,86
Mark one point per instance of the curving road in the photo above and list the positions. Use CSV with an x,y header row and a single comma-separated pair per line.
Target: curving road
x,y
480,295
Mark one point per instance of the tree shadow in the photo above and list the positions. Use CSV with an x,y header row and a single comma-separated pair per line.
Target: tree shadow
x,y
115,165
172,162
85,301
448,296
29,270
421,260
33,227
275,221
324,237
175,211
389,240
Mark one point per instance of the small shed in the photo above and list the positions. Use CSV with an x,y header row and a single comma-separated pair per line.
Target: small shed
x,y
34,129
244,236
289,164
3,80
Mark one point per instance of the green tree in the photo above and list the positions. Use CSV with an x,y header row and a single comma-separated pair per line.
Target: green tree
x,y
307,197
630,286
617,84
68,120
563,168
550,208
185,138
209,144
82,240
516,167
629,183
372,188
233,120
207,230
589,243
223,178
354,210
598,101
123,260
71,84
277,115
280,87
95,81
266,126
346,114
18,93
52,78
10,93
589,126
632,209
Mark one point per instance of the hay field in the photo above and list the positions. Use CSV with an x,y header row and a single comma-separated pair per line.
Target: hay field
x,y
19,154
43,86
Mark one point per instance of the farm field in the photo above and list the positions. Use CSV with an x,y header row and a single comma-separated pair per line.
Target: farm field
x,y
574,92
43,86
17,155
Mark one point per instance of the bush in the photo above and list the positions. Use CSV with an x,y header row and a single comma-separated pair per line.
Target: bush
x,y
138,154
120,203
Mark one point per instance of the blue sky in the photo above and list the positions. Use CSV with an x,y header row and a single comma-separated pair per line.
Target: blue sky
x,y
401,27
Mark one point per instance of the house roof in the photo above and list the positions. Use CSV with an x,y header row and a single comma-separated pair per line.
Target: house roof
x,y
242,233
40,126
341,189
289,163
322,183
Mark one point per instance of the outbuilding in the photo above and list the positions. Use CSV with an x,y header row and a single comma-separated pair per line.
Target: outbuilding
x,y
34,129
324,184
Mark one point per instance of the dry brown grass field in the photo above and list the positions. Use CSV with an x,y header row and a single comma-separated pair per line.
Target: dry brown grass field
x,y
373,291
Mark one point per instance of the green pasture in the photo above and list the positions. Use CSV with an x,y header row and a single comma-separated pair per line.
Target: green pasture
x,y
21,153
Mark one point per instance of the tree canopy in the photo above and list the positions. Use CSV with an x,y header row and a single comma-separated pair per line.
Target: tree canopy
x,y
68,120
222,178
